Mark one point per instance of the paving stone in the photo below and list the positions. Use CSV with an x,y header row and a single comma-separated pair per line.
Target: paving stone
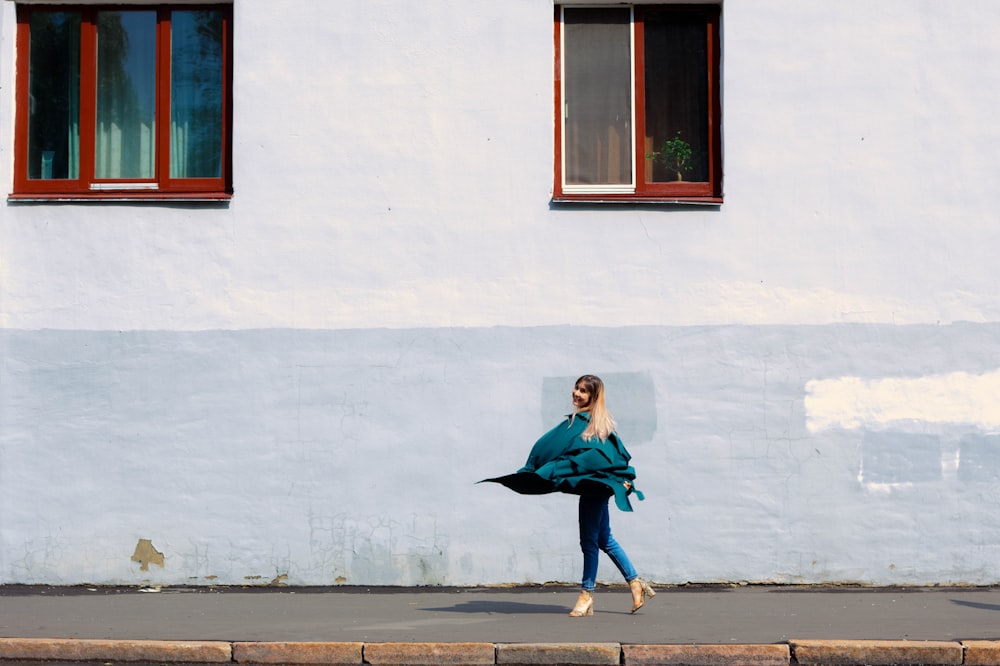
x,y
329,654
559,654
70,649
706,655
429,654
876,653
982,653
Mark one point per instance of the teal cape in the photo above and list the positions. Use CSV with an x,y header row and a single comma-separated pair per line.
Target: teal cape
x,y
562,461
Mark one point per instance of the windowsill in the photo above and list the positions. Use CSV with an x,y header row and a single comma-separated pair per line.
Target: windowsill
x,y
632,199
131,197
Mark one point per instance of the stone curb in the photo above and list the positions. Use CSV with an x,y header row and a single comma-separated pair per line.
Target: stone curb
x,y
329,654
81,649
982,653
706,655
428,654
877,653
552,654
792,653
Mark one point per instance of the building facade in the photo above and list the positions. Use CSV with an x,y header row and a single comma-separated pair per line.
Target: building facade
x,y
297,374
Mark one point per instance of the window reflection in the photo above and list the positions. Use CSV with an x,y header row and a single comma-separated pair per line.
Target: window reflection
x,y
54,96
196,94
126,95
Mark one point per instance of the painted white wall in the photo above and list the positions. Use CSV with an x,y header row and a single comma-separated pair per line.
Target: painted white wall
x,y
392,169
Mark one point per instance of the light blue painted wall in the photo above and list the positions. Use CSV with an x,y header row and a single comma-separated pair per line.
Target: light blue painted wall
x,y
351,456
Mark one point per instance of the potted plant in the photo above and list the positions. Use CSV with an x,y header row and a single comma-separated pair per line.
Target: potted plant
x,y
675,154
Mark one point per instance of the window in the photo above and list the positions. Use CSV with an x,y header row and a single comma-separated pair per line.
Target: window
x,y
123,102
638,104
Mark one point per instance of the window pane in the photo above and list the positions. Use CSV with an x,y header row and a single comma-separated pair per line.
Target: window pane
x,y
196,94
126,95
597,91
676,58
54,96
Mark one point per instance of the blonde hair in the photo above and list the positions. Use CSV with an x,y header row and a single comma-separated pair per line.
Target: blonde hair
x,y
601,423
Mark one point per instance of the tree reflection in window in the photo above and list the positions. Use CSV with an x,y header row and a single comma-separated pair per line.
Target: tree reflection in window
x,y
196,94
54,96
126,95
125,131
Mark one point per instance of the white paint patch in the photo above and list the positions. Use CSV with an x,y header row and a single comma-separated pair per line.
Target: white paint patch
x,y
954,398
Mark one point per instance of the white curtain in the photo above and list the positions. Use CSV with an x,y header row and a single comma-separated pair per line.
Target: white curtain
x,y
126,95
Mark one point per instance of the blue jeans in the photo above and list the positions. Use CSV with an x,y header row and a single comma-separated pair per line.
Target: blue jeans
x,y
595,536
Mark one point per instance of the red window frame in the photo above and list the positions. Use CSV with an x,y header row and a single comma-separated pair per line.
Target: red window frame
x,y
705,192
80,188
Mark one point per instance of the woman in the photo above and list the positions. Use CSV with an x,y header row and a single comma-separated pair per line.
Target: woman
x,y
584,456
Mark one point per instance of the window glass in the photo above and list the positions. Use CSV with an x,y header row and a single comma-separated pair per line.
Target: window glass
x,y
54,96
597,80
196,94
676,96
126,95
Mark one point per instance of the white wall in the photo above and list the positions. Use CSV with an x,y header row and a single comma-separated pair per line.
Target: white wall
x,y
307,382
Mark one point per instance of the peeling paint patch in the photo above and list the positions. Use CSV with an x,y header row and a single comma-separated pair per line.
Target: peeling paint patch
x,y
953,398
145,555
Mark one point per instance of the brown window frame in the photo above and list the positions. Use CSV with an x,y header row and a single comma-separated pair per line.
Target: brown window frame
x,y
703,192
86,186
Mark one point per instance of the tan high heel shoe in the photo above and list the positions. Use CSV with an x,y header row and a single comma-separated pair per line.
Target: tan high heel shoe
x,y
640,590
584,605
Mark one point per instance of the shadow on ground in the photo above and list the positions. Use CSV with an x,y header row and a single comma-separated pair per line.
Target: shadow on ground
x,y
505,607
976,604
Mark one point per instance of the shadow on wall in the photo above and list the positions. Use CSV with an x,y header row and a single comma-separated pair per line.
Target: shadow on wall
x,y
899,457
979,458
631,400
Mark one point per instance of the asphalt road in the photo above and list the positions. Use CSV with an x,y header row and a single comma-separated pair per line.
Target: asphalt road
x,y
713,614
